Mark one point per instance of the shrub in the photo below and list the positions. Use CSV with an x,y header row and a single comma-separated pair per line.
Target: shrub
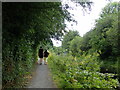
x,y
82,72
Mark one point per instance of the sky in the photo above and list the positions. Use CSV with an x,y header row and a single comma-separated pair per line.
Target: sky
x,y
85,20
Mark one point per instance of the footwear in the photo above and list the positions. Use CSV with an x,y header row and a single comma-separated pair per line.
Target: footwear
x,y
45,64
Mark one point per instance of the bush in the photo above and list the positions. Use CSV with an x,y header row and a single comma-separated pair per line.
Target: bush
x,y
18,60
109,66
81,72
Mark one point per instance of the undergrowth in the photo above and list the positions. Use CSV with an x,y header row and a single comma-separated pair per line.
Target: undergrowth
x,y
81,72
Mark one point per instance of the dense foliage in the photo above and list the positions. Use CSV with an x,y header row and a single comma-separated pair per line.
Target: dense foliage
x,y
104,38
67,38
26,26
82,72
92,60
78,63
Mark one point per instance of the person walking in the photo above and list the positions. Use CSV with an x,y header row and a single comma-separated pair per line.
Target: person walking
x,y
40,53
46,53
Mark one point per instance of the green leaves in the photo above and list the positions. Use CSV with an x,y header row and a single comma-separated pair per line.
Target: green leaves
x,y
101,43
111,8
68,38
80,73
75,45
26,26
104,37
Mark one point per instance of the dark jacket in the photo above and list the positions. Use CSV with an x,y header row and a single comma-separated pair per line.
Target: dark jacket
x,y
40,53
46,54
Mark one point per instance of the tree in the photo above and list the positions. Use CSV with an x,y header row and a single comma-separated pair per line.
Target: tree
x,y
111,8
75,45
68,38
25,27
101,41
85,43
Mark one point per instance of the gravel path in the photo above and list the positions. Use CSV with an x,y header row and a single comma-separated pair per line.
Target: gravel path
x,y
42,78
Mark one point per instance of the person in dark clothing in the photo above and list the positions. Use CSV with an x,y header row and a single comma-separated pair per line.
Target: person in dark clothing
x,y
46,54
41,55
